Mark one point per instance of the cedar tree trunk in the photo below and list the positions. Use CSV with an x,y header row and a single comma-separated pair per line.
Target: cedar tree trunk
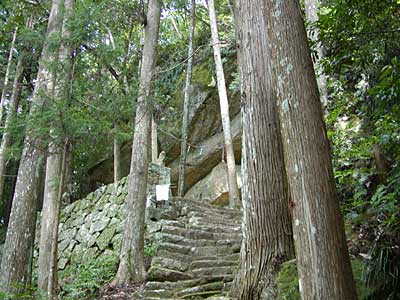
x,y
322,256
267,233
131,266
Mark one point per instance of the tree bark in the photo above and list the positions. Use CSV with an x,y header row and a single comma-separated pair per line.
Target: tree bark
x,y
323,260
311,9
14,273
186,102
267,234
224,106
7,75
7,135
47,262
131,267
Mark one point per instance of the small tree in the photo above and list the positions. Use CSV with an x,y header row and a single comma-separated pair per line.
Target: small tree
x,y
224,106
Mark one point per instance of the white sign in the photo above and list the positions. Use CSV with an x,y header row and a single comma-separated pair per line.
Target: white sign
x,y
162,192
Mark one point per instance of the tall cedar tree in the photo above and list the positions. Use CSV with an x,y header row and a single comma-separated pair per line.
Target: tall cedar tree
x,y
267,234
131,267
322,256
47,263
186,102
4,94
6,88
15,269
6,140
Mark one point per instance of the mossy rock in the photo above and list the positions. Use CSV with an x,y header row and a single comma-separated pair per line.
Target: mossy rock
x,y
288,281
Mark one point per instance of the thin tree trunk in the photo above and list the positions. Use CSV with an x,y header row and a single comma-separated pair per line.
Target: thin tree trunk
x,y
7,75
47,262
154,141
117,159
21,230
67,190
311,9
223,101
267,233
7,136
323,260
186,102
48,221
131,267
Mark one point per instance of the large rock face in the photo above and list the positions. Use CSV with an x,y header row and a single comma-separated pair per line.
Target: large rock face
x,y
214,188
202,159
205,132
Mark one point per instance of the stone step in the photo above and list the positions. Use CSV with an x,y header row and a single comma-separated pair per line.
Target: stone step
x,y
199,264
214,286
202,272
171,247
216,218
181,240
211,212
174,255
215,228
159,294
183,284
201,234
214,250
201,206
200,295
163,274
169,263
218,250
231,257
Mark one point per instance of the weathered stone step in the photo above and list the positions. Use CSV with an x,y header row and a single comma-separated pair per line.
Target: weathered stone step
x,y
209,287
174,255
212,212
200,295
216,218
181,240
202,272
230,257
214,250
201,234
159,294
199,264
210,223
171,247
217,250
196,205
183,284
214,228
162,274
170,263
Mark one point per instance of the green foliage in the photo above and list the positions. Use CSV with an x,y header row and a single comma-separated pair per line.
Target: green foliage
x,y
288,282
82,281
150,250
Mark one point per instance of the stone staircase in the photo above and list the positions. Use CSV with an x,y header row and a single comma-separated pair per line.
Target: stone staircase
x,y
198,251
